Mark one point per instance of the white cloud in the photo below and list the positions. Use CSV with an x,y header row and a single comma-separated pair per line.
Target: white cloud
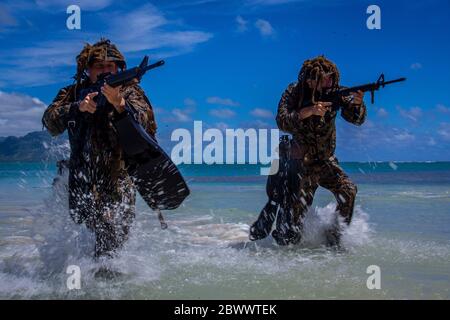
x,y
174,4
87,5
404,136
180,115
444,131
222,101
391,143
241,24
369,124
190,102
257,124
351,136
221,126
261,113
20,114
269,2
382,113
47,54
158,110
416,66
431,141
413,113
264,27
443,109
147,29
222,113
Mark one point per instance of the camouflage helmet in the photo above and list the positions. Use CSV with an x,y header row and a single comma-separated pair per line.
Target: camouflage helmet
x,y
102,50
315,69
318,67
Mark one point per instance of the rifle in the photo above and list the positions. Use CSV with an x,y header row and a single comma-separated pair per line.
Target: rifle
x,y
122,78
336,95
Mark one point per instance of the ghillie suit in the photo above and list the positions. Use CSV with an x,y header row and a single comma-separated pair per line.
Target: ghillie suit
x,y
311,162
101,193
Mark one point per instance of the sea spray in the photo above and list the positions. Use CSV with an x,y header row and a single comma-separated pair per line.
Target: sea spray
x,y
204,253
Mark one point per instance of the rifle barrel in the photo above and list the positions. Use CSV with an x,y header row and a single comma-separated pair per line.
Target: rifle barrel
x,y
369,86
154,65
393,81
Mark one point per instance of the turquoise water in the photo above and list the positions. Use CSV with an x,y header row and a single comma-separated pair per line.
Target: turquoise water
x,y
401,224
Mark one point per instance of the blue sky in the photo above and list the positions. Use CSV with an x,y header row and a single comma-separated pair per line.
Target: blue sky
x,y
228,62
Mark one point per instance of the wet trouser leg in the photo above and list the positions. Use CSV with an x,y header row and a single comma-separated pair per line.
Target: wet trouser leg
x,y
299,196
263,225
344,190
305,196
275,186
114,215
111,229
287,231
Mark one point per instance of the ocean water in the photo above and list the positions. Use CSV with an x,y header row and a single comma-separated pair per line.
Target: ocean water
x,y
401,224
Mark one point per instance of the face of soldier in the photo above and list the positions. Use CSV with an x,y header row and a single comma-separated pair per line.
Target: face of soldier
x,y
99,67
325,83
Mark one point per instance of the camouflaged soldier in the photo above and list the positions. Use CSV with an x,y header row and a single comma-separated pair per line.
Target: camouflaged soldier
x,y
310,119
101,193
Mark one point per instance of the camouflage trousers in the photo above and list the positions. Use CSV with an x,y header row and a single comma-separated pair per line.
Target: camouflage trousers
x,y
107,209
291,193
111,225
329,175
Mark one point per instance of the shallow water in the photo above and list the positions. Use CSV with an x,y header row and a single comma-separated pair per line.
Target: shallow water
x,y
402,227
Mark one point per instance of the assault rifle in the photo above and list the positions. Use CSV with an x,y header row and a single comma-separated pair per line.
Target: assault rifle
x,y
336,95
122,78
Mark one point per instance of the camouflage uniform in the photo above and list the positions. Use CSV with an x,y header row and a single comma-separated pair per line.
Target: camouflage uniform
x,y
316,143
101,193
311,163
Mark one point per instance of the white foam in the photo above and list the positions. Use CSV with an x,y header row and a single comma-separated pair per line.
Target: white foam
x,y
198,250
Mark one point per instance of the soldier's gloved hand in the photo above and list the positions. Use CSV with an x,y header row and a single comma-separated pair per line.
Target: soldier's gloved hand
x,y
88,104
357,97
320,108
114,97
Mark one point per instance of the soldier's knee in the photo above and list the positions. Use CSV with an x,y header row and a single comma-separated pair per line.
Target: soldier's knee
x,y
352,190
348,193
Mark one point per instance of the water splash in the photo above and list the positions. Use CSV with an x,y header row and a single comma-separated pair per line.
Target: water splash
x,y
204,255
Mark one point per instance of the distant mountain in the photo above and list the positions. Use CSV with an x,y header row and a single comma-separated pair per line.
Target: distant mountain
x,y
35,146
39,146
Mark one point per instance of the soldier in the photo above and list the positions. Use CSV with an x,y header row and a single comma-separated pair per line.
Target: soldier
x,y
101,193
304,112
